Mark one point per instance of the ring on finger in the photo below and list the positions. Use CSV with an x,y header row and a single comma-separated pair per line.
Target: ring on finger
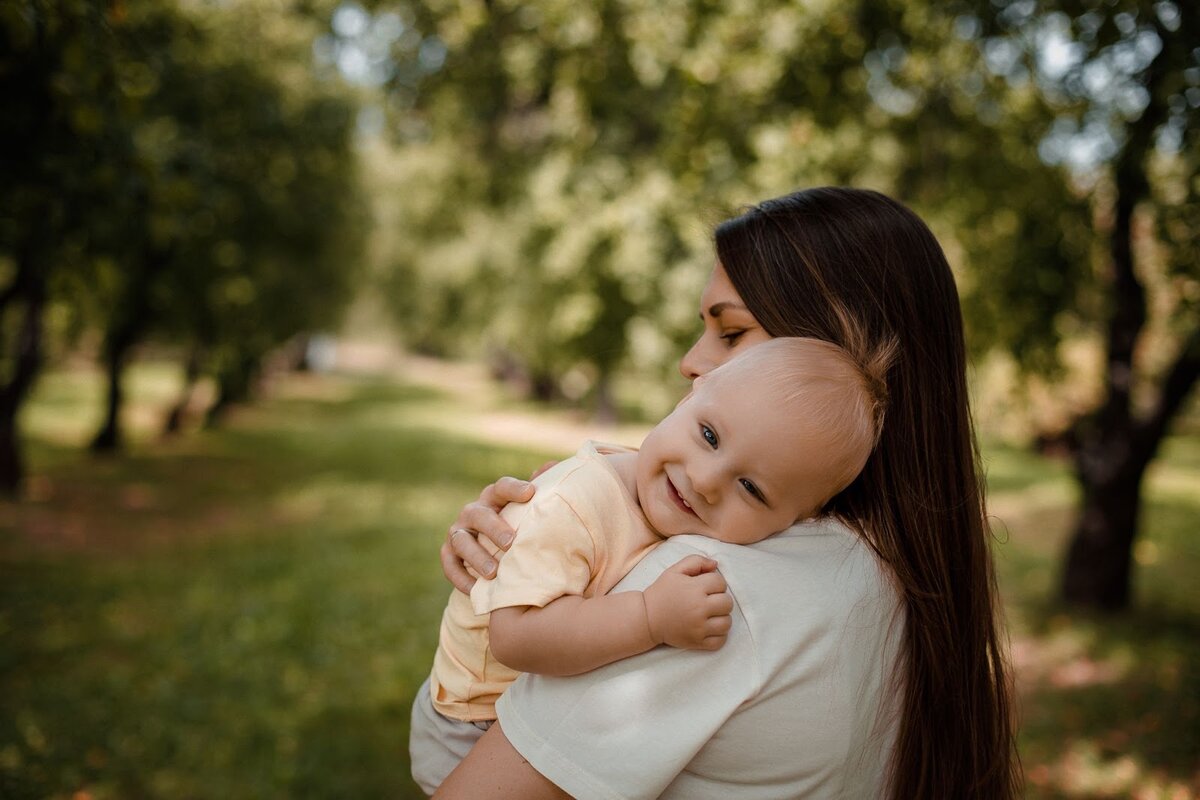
x,y
457,531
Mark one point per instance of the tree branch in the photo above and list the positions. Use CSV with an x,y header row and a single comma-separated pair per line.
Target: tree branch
x,y
1177,385
1129,296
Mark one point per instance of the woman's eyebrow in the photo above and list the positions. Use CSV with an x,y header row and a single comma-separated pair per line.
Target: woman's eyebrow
x,y
717,309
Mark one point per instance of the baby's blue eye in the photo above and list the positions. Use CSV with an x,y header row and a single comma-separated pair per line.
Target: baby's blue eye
x,y
751,488
709,435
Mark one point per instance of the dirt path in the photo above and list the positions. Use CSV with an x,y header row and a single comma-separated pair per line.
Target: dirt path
x,y
484,402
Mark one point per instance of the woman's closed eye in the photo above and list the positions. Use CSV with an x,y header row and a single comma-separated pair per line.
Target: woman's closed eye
x,y
731,337
709,436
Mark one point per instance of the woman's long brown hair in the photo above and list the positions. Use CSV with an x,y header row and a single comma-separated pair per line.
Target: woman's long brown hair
x,y
857,268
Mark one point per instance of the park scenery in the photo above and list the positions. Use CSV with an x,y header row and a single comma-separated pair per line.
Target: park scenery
x,y
285,283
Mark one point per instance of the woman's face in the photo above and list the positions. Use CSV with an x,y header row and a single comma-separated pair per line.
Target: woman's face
x,y
729,327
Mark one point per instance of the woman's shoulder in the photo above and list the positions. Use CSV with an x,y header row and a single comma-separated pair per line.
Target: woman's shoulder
x,y
806,546
821,566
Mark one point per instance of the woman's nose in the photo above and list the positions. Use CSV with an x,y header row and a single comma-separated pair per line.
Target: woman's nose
x,y
694,362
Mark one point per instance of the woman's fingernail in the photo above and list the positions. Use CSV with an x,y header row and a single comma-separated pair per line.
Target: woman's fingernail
x,y
505,540
490,567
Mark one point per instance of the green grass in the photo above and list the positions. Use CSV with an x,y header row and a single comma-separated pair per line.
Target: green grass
x,y
246,613
1110,704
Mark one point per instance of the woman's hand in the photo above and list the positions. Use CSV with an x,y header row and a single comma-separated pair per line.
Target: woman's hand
x,y
481,518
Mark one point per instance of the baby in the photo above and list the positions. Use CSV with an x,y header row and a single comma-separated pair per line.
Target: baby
x,y
760,443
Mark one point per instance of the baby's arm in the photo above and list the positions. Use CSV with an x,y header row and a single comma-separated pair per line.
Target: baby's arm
x,y
687,607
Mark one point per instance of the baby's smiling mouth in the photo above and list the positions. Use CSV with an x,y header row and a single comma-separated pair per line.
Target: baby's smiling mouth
x,y
679,501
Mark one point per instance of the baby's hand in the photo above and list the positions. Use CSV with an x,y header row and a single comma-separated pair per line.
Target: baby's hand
x,y
688,607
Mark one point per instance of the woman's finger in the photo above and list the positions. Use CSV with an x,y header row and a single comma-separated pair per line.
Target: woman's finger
x,y
478,520
463,544
453,569
504,491
462,550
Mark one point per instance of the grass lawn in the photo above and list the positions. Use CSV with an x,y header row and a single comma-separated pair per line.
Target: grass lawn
x,y
247,612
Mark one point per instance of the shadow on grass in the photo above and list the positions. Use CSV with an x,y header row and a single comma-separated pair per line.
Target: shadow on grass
x,y
1110,705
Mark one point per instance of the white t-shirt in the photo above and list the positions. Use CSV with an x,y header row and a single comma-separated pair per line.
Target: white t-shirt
x,y
800,702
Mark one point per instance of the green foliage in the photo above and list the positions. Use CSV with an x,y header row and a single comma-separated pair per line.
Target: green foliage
x,y
182,172
63,142
253,189
550,127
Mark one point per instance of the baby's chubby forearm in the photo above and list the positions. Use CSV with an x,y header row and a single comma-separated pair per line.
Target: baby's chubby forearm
x,y
571,635
687,607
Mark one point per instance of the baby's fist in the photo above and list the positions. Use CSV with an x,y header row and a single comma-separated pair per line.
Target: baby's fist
x,y
688,605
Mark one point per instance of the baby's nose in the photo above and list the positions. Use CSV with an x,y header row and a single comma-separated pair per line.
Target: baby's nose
x,y
706,481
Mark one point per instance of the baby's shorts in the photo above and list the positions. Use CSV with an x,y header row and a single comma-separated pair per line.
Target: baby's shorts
x,y
436,743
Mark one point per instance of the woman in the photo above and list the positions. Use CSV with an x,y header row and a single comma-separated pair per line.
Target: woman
x,y
855,268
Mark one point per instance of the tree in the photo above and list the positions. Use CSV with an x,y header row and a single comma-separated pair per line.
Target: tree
x,y
241,224
1110,93
1117,440
61,131
168,171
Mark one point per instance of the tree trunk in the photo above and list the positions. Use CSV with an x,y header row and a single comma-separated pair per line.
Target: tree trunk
x,y
1115,445
130,322
300,352
543,387
108,438
29,285
191,374
1098,571
606,403
234,384
12,466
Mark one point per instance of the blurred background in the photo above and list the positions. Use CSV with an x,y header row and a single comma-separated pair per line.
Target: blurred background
x,y
284,283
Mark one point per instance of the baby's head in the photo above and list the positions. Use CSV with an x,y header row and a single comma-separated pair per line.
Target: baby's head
x,y
764,440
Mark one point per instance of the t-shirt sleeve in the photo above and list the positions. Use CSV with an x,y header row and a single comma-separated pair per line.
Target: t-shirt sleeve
x,y
551,556
628,729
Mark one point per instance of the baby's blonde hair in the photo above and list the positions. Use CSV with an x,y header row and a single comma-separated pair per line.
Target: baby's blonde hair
x,y
840,399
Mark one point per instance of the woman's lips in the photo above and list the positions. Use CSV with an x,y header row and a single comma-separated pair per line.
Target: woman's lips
x,y
677,498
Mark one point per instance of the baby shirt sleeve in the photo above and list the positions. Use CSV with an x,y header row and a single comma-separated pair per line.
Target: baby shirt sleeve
x,y
552,555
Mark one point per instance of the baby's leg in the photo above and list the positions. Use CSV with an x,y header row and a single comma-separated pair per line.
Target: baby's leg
x,y
435,743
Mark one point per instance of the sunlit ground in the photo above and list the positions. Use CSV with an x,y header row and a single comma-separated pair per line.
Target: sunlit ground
x,y
247,612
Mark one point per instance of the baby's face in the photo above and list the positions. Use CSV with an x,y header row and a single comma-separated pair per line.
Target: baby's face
x,y
728,464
